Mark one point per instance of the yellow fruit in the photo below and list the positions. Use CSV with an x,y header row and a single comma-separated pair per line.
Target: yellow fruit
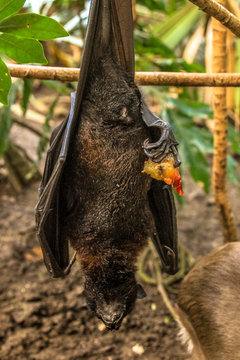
x,y
165,171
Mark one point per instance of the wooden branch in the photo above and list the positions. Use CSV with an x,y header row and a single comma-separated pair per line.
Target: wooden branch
x,y
160,286
220,135
30,128
19,165
219,12
43,72
187,79
142,78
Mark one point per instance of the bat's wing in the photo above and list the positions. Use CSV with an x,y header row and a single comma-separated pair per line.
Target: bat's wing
x,y
110,24
162,205
55,251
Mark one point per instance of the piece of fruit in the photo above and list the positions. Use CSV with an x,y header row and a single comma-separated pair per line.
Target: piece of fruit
x,y
165,171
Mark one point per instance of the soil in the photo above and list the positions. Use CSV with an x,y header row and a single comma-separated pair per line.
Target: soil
x,y
42,318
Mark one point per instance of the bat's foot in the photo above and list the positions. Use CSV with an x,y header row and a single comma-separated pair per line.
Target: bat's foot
x,y
166,143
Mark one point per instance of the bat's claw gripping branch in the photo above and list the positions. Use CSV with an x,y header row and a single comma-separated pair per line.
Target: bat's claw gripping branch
x,y
159,149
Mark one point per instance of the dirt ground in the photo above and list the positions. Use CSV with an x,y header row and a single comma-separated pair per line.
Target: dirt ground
x,y
42,318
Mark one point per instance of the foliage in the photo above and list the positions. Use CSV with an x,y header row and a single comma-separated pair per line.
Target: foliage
x,y
162,30
19,39
234,151
43,142
195,141
159,42
27,87
6,119
160,46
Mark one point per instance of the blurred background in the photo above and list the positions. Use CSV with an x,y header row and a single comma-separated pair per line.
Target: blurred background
x,y
43,318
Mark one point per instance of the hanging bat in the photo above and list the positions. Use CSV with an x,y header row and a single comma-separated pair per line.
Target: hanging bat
x,y
93,193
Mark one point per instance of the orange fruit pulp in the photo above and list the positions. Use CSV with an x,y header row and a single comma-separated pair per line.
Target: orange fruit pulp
x,y
165,171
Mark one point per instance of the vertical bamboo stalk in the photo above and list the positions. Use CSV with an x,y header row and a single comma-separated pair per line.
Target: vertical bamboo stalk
x,y
220,134
231,59
134,11
233,6
237,90
208,66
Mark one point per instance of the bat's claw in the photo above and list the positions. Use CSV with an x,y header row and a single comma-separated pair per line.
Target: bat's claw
x,y
166,143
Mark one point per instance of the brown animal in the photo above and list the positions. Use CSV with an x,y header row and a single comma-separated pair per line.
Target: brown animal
x,y
209,305
94,195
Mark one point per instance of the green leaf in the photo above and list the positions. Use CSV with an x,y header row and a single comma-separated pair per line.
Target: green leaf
x,y
5,126
201,138
192,108
22,50
162,27
43,142
6,120
5,83
199,167
176,64
58,86
33,26
180,199
194,67
27,89
146,43
181,28
173,65
234,139
153,4
194,142
232,166
10,7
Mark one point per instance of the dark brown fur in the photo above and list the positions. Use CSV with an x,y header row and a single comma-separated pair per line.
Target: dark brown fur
x,y
209,300
105,213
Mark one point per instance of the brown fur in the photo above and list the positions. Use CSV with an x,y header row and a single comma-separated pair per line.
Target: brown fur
x,y
209,300
104,194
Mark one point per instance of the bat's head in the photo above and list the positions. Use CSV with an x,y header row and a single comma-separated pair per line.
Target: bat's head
x,y
112,298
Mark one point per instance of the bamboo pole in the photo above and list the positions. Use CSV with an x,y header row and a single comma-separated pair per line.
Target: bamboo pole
x,y
231,59
219,12
142,78
208,66
233,6
220,134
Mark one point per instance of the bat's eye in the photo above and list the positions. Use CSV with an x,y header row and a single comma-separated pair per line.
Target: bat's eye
x,y
124,116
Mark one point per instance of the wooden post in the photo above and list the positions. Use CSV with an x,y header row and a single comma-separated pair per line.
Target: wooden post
x,y
220,134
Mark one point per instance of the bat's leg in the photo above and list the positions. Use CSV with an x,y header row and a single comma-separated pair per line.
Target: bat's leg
x,y
159,149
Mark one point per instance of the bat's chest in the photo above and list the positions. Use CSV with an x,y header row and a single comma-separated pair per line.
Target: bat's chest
x,y
106,160
109,162
107,150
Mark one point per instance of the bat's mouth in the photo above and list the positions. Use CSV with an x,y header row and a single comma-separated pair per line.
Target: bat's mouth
x,y
112,324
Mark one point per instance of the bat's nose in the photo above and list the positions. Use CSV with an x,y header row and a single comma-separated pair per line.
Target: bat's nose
x,y
112,321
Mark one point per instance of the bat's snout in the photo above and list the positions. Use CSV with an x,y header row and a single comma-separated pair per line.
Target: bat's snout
x,y
113,321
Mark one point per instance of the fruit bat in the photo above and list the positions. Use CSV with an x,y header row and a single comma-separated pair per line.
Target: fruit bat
x,y
93,193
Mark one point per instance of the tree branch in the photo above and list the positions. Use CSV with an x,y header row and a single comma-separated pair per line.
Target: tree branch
x,y
219,12
29,127
142,78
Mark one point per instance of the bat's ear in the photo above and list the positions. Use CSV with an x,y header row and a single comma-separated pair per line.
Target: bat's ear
x,y
140,292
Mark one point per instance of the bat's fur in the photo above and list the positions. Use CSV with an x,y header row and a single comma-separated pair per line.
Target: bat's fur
x,y
209,303
105,214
